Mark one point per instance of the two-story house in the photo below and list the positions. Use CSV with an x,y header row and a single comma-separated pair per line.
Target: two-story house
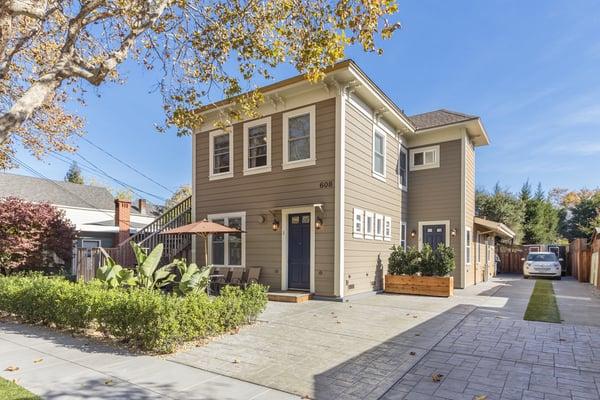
x,y
329,177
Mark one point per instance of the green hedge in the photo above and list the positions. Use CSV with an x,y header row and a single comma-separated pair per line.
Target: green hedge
x,y
427,262
147,319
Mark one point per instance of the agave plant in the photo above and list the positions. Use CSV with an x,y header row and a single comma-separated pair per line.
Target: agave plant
x,y
149,275
193,278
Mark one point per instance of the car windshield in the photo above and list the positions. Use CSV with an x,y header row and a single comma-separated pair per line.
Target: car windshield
x,y
544,257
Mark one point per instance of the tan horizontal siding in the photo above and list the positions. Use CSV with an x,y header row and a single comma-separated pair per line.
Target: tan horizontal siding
x,y
257,194
365,261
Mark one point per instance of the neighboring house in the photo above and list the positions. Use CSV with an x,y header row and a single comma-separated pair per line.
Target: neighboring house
x,y
329,178
100,220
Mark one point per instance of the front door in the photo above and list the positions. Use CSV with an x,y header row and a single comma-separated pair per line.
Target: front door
x,y
434,235
299,251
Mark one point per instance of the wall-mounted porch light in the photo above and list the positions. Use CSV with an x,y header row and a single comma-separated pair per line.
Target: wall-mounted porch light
x,y
453,232
413,233
318,223
275,225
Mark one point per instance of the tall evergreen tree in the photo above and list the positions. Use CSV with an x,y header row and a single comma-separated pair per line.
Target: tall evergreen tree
x,y
74,174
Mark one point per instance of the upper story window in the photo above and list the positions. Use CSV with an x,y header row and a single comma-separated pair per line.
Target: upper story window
x,y
379,154
299,142
221,154
403,168
424,158
257,146
228,250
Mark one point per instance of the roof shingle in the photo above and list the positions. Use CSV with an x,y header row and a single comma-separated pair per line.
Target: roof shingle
x,y
439,118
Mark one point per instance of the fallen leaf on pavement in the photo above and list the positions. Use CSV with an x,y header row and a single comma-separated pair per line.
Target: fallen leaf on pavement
x,y
12,368
108,382
39,360
412,353
436,377
417,334
480,397
236,361
338,322
414,316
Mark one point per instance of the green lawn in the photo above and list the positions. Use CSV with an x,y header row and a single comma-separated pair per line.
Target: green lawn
x,y
12,391
542,303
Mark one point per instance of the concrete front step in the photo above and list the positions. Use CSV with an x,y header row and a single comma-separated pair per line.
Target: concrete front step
x,y
290,296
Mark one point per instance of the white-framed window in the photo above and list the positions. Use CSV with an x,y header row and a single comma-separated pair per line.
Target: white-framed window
x,y
229,249
387,228
257,146
90,243
378,227
299,141
425,158
468,245
403,235
369,224
220,150
378,154
359,225
402,168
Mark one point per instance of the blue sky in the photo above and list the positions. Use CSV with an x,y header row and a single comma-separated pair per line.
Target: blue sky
x,y
530,69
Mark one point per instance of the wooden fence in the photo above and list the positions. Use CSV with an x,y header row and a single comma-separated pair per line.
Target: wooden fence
x,y
580,259
510,259
88,261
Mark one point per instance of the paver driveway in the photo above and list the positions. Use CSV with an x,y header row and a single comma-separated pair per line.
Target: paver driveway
x,y
389,346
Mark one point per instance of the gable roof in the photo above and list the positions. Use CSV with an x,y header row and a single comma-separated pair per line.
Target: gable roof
x,y
437,118
64,193
55,192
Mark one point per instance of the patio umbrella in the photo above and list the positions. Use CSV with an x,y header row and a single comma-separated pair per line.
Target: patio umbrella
x,y
202,228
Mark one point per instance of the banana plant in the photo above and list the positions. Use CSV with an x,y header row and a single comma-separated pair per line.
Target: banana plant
x,y
115,275
193,279
149,276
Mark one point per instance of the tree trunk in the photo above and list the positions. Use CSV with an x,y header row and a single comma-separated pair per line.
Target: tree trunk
x,y
32,99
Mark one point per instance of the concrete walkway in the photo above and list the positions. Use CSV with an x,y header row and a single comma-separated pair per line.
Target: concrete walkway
x,y
58,366
578,303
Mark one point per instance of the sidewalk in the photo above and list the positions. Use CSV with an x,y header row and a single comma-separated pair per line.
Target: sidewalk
x,y
58,366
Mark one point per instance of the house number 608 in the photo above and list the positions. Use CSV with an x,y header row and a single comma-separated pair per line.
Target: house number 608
x,y
326,184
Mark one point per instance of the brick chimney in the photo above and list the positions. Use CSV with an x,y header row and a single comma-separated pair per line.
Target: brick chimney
x,y
122,219
143,206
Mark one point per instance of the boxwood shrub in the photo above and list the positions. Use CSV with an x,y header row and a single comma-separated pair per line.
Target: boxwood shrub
x,y
147,319
427,262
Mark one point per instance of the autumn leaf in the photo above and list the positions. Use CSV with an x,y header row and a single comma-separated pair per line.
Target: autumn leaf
x,y
108,382
412,353
480,397
436,377
39,360
12,368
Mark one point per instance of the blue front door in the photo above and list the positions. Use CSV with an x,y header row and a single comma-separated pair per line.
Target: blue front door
x,y
299,251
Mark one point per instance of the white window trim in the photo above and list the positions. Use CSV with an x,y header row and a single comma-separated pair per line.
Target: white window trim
x,y
358,234
240,214
478,256
379,235
435,164
376,131
421,224
402,149
313,145
403,231
266,168
387,233
212,176
98,242
369,228
468,246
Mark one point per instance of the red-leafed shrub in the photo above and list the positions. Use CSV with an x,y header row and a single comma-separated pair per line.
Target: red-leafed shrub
x,y
33,236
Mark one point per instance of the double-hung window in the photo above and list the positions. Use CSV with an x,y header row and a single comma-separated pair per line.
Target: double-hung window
x,y
220,154
468,246
228,249
378,154
403,235
299,141
378,227
257,146
369,224
359,224
403,168
425,158
387,228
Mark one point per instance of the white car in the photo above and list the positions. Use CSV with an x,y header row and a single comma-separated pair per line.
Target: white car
x,y
542,264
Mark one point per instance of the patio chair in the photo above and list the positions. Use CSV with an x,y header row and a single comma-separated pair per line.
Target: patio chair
x,y
236,276
218,277
252,276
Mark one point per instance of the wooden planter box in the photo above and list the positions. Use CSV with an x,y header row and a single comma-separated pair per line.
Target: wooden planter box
x,y
442,286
